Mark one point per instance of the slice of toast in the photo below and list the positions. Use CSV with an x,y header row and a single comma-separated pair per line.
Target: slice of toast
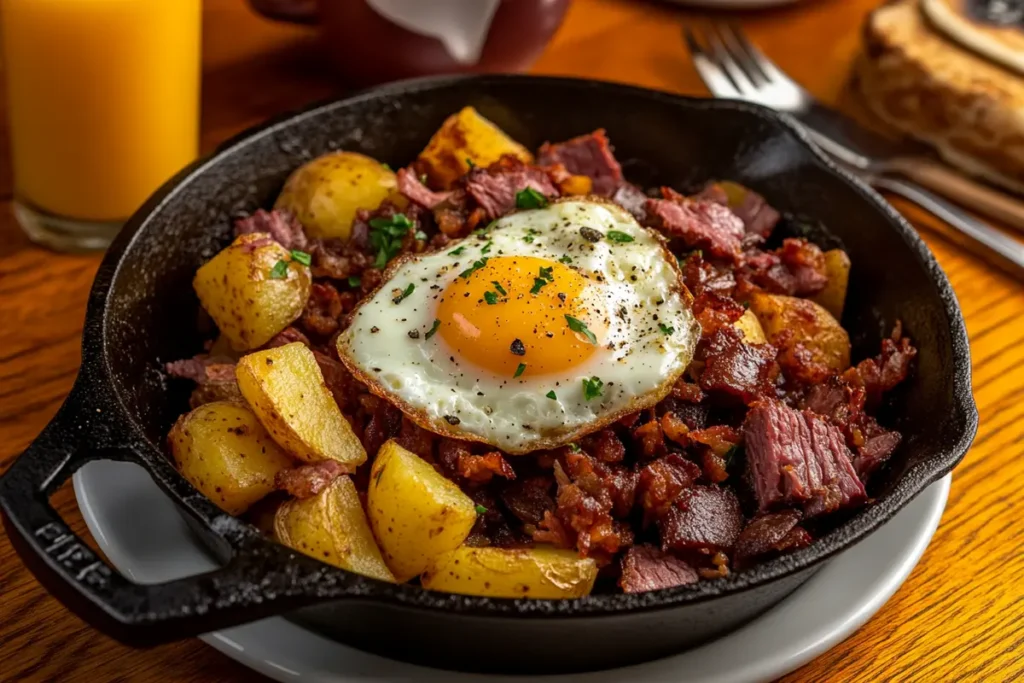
x,y
963,21
931,87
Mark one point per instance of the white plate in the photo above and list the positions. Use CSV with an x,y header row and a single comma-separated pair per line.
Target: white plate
x,y
141,532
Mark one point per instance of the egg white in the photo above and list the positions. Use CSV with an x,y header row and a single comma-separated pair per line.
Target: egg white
x,y
651,336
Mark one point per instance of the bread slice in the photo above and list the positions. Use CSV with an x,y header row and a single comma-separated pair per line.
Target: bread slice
x,y
959,21
931,87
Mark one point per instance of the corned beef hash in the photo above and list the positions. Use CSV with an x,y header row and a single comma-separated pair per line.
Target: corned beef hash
x,y
518,375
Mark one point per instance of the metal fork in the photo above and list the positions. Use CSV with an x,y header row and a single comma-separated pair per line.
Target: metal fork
x,y
732,67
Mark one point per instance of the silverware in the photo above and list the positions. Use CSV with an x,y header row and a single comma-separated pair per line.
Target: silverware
x,y
732,67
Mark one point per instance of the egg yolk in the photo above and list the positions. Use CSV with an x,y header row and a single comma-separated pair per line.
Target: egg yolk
x,y
512,311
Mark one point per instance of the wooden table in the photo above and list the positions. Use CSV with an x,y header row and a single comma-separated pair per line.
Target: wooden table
x,y
959,615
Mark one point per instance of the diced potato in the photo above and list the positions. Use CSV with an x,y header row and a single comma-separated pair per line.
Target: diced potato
x,y
325,193
415,512
497,572
250,296
331,526
227,454
286,390
788,320
749,326
833,297
463,138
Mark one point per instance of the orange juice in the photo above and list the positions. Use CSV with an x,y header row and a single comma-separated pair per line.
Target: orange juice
x,y
103,100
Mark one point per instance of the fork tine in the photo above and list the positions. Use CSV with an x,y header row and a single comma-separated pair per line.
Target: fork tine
x,y
716,80
764,66
732,67
731,36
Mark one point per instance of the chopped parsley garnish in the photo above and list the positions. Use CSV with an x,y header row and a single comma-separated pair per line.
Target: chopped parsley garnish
x,y
477,265
551,395
481,510
546,277
457,251
618,236
385,166
354,281
497,286
574,448
487,248
665,329
530,199
578,326
592,388
404,293
423,178
530,235
433,329
565,259
469,162
480,232
491,298
279,271
520,370
301,257
386,236
731,453
528,239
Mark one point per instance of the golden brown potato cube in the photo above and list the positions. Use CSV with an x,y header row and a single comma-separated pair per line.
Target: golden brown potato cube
x,y
463,138
415,512
331,526
833,297
224,451
540,572
788,321
325,193
252,290
286,390
750,328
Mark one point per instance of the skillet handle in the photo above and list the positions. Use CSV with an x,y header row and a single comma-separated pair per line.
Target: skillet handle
x,y
261,579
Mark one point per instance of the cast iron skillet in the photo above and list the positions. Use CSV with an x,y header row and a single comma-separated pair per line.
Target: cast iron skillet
x,y
141,312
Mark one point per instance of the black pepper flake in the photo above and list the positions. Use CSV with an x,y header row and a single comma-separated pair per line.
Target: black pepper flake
x,y
414,334
517,347
590,235
561,297
374,330
452,420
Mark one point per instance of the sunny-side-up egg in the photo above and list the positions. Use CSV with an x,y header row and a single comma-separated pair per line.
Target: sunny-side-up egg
x,y
548,325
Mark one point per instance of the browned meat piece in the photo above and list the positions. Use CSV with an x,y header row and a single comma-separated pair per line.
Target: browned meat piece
x,y
878,445
282,226
494,188
288,335
883,372
650,439
764,535
700,224
719,442
675,429
758,217
734,367
452,215
799,459
605,446
703,518
686,391
632,199
208,392
661,482
415,191
700,276
530,498
806,263
590,155
202,368
482,468
323,310
415,439
339,260
714,311
645,568
308,480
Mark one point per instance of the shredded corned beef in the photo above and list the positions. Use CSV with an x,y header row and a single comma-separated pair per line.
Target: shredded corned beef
x,y
306,481
494,188
698,223
282,227
483,468
735,368
415,191
589,155
758,217
645,568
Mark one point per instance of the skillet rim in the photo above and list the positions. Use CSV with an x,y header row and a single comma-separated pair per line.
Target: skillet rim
x,y
855,529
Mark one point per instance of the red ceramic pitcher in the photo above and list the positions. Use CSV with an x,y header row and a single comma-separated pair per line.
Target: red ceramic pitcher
x,y
370,41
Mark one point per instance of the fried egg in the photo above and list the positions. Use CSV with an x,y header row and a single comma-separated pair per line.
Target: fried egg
x,y
545,326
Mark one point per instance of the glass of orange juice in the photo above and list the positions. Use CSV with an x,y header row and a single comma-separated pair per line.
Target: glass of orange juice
x,y
103,102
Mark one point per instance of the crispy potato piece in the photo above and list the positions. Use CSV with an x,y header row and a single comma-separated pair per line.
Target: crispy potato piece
x,y
224,451
325,193
415,512
788,320
286,390
464,137
331,526
833,297
250,296
750,327
497,572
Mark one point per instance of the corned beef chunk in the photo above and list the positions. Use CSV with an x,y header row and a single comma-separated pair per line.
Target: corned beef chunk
x,y
876,449
494,188
645,568
758,217
280,225
483,468
698,223
632,199
734,367
714,311
661,482
323,310
702,518
799,459
883,372
415,191
806,263
528,499
308,480
590,155
767,535
202,369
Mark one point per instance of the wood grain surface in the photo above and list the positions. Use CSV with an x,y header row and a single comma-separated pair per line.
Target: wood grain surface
x,y
957,618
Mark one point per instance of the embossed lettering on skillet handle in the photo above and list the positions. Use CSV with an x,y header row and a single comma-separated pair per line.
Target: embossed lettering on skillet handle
x,y
260,578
